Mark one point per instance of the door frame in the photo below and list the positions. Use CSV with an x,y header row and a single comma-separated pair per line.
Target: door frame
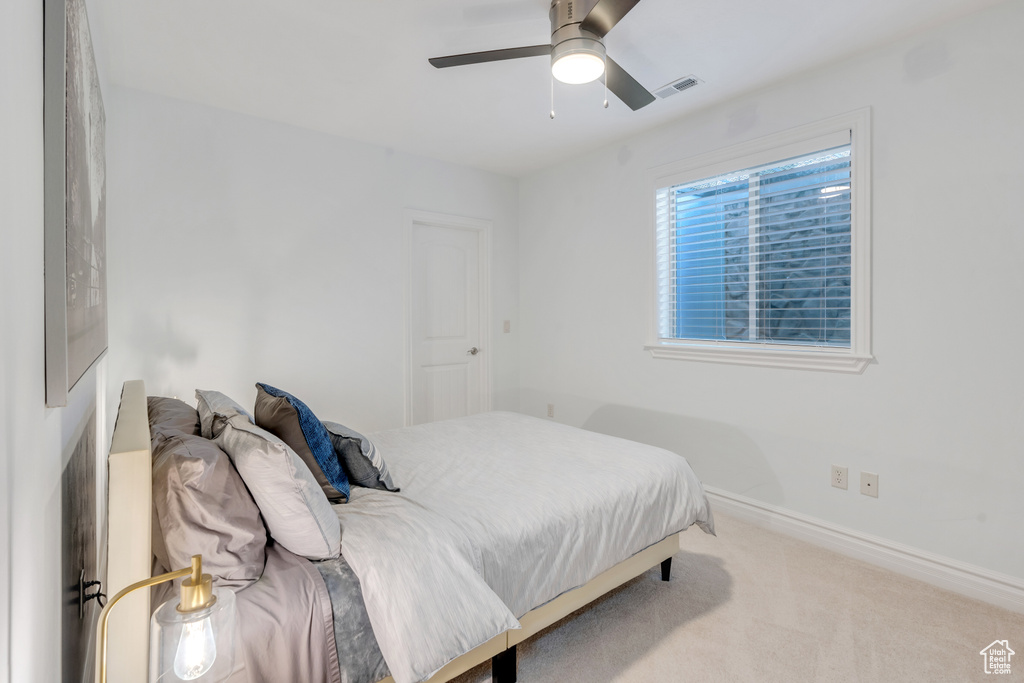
x,y
482,227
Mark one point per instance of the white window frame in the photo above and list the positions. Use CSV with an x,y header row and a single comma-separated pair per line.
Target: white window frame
x,y
769,149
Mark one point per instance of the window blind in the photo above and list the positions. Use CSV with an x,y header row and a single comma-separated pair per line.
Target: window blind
x,y
760,255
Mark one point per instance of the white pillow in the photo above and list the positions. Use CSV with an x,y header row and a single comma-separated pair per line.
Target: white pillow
x,y
293,505
210,404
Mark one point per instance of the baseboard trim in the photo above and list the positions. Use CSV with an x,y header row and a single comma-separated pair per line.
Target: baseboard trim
x,y
960,577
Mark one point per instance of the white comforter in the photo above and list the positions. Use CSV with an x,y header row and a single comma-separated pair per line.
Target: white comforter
x,y
498,514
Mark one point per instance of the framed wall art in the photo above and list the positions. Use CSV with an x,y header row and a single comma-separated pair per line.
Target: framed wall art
x,y
75,200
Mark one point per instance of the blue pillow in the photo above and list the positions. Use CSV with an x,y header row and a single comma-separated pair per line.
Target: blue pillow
x,y
280,413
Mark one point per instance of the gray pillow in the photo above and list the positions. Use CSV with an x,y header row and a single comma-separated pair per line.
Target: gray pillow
x,y
293,505
213,403
170,417
202,507
360,457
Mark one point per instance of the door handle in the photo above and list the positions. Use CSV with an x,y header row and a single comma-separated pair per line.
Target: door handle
x,y
473,351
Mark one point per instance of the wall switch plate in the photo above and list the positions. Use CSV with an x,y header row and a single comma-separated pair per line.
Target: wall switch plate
x,y
869,484
551,410
508,326
840,477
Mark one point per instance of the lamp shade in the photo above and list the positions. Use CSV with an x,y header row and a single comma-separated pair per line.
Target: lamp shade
x,y
197,645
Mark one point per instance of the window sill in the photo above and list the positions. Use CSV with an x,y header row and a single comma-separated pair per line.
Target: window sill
x,y
789,357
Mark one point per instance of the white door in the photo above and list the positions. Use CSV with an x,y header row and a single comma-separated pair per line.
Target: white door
x,y
447,356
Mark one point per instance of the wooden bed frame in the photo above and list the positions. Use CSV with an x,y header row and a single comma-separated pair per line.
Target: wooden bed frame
x,y
130,557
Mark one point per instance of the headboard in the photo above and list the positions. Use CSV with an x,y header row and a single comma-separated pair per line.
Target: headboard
x,y
129,550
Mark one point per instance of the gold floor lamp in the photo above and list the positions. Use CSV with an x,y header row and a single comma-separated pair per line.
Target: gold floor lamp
x,y
190,639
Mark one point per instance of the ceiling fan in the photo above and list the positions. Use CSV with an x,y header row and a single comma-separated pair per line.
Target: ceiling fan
x,y
576,50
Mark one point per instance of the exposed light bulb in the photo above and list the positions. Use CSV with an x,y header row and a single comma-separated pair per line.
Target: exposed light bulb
x,y
196,650
575,68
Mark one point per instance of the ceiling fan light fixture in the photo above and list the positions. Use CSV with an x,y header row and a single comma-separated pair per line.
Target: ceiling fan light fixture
x,y
576,50
577,60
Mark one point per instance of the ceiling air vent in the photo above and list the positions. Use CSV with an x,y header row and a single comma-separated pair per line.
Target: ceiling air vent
x,y
678,86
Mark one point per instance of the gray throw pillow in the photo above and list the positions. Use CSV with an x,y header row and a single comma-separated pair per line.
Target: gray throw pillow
x,y
360,457
202,507
293,505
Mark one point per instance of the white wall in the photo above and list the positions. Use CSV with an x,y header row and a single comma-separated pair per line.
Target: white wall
x,y
243,250
29,433
21,287
35,441
940,417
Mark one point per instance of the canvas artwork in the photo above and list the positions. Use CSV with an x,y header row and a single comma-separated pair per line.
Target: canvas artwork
x,y
85,288
77,335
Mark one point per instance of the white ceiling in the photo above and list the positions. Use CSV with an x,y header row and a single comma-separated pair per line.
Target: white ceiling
x,y
358,69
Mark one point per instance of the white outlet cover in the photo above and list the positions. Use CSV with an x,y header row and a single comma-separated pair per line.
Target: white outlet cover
x,y
869,484
840,477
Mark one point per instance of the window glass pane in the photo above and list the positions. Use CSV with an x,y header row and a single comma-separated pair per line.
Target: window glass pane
x,y
803,252
760,255
711,256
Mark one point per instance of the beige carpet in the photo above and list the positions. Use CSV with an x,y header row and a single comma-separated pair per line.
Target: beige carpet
x,y
753,605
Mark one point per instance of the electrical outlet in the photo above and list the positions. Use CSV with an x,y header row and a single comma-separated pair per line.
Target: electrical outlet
x,y
839,477
551,410
508,326
869,484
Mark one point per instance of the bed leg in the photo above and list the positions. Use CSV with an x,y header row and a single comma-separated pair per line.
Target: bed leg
x,y
503,666
666,569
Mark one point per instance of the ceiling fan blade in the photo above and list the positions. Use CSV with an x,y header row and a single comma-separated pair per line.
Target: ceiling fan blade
x,y
605,14
491,56
625,87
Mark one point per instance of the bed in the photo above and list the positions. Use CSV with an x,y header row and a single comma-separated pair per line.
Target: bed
x,y
503,525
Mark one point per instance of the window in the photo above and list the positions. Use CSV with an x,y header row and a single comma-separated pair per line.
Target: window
x,y
760,255
762,252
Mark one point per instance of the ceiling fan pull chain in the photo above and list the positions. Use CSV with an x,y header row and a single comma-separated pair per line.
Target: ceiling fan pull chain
x,y
552,97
